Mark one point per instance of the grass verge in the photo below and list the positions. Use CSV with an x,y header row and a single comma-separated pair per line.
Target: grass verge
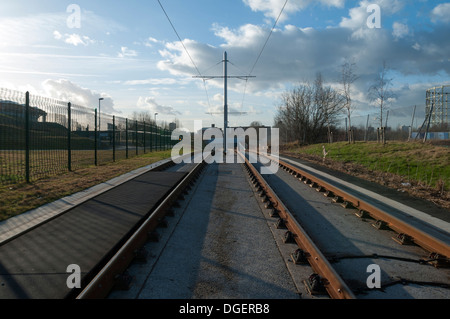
x,y
421,169
19,198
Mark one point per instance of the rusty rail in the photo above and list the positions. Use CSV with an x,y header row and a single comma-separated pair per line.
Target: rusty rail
x,y
107,277
423,239
331,280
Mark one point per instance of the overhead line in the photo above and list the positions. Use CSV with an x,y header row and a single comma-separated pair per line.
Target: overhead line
x,y
179,38
267,40
262,49
187,52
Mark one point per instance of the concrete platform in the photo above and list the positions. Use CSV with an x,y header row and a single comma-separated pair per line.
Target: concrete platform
x,y
218,246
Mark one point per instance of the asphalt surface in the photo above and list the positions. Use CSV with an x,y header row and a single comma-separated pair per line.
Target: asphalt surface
x,y
34,264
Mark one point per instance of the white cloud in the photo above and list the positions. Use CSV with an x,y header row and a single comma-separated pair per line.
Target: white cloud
x,y
125,53
400,30
66,90
310,51
441,13
74,39
155,107
272,8
57,35
150,42
164,81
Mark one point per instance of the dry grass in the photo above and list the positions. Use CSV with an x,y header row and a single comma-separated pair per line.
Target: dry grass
x,y
18,198
421,170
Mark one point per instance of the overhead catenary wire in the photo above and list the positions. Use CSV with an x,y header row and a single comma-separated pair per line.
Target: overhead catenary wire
x,y
178,36
263,48
268,37
186,50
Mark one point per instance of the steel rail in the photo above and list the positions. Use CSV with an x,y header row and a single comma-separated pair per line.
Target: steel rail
x,y
331,280
423,239
104,281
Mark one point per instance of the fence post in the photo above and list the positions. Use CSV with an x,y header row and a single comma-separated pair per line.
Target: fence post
x,y
95,138
27,136
126,136
114,138
69,133
151,137
144,137
136,139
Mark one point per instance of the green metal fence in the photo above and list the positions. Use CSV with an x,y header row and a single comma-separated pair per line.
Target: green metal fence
x,y
41,137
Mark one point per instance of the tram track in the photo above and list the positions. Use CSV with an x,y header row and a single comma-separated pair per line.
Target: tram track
x,y
99,235
315,250
114,272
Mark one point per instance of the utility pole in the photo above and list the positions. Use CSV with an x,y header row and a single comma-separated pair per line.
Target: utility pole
x,y
225,102
225,77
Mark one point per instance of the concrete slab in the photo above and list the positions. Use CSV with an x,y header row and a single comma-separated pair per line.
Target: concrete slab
x,y
221,247
16,225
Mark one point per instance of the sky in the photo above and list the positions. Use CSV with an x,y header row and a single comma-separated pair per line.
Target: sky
x,y
129,53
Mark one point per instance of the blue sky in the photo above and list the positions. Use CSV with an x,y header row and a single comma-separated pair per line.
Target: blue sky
x,y
128,53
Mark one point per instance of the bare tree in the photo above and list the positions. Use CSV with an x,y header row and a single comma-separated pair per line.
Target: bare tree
x,y
347,79
381,94
256,124
307,111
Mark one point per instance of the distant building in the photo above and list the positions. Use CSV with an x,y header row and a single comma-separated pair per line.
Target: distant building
x,y
17,111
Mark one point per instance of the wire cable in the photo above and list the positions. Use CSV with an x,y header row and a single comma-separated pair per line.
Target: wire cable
x,y
267,40
185,49
262,49
179,38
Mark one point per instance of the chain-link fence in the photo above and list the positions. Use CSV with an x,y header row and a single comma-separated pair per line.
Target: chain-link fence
x,y
41,137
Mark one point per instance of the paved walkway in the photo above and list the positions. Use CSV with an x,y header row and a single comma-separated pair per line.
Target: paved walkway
x,y
221,247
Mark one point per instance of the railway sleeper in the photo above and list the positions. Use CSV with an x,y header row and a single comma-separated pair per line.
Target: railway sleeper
x,y
289,237
381,225
362,214
140,255
280,224
274,213
438,261
122,281
153,236
347,204
299,257
315,285
337,199
403,239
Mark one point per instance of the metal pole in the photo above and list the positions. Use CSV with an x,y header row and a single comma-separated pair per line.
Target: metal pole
x,y
69,133
412,123
126,137
225,100
95,139
136,129
27,136
114,138
367,129
144,136
99,125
